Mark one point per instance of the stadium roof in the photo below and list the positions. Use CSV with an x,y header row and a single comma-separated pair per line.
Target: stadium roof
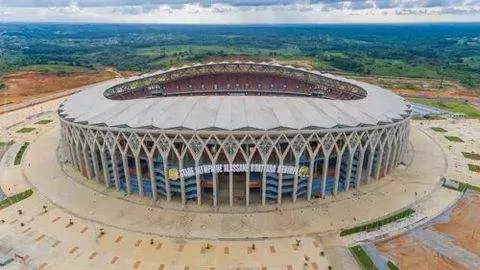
x,y
234,112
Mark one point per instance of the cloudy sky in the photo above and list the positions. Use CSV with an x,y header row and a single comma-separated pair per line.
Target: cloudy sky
x,y
240,11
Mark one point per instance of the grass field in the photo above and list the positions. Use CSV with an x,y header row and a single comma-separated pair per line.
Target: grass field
x,y
469,110
43,122
25,130
454,139
362,258
53,68
16,198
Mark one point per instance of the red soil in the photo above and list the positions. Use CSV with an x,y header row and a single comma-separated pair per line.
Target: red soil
x,y
408,253
464,225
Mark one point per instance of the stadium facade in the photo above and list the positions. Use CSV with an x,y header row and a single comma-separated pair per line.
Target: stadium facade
x,y
235,134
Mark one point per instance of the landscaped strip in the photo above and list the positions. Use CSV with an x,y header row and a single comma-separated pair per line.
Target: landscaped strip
x,y
376,224
6,143
438,129
18,157
454,139
16,198
25,130
392,266
362,258
461,186
44,122
472,155
474,168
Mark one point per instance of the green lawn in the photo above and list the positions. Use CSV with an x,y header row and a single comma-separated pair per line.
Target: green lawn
x,y
16,198
44,122
469,110
438,129
362,258
25,130
376,224
454,139
473,156
474,168
18,157
53,68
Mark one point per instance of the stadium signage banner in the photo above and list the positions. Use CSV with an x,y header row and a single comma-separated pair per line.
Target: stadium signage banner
x,y
175,174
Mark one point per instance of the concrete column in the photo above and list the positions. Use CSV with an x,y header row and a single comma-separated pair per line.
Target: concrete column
x,y
324,173
337,172
138,170
349,170
393,162
360,168
74,158
230,186
87,164
247,185
182,182
215,189
371,156
199,188
310,178
126,172
95,164
104,167
387,160
165,178
378,164
153,180
115,170
79,157
295,181
280,185
264,186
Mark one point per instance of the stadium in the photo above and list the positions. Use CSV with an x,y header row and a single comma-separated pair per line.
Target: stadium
x,y
238,133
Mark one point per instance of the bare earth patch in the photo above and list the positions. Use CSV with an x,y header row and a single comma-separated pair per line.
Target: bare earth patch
x,y
30,85
464,224
408,253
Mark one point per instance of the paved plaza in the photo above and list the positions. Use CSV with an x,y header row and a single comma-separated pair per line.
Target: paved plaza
x,y
140,234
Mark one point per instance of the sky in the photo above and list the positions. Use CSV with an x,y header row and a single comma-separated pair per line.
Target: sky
x,y
240,11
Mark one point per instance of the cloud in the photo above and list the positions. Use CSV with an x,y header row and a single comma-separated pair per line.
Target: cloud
x,y
239,11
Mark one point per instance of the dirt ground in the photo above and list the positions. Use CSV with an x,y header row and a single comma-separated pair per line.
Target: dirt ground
x,y
30,85
464,225
411,254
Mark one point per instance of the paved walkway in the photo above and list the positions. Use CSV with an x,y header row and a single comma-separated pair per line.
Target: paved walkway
x,y
375,200
447,247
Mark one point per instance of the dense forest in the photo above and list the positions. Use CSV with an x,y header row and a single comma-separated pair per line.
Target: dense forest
x,y
450,51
